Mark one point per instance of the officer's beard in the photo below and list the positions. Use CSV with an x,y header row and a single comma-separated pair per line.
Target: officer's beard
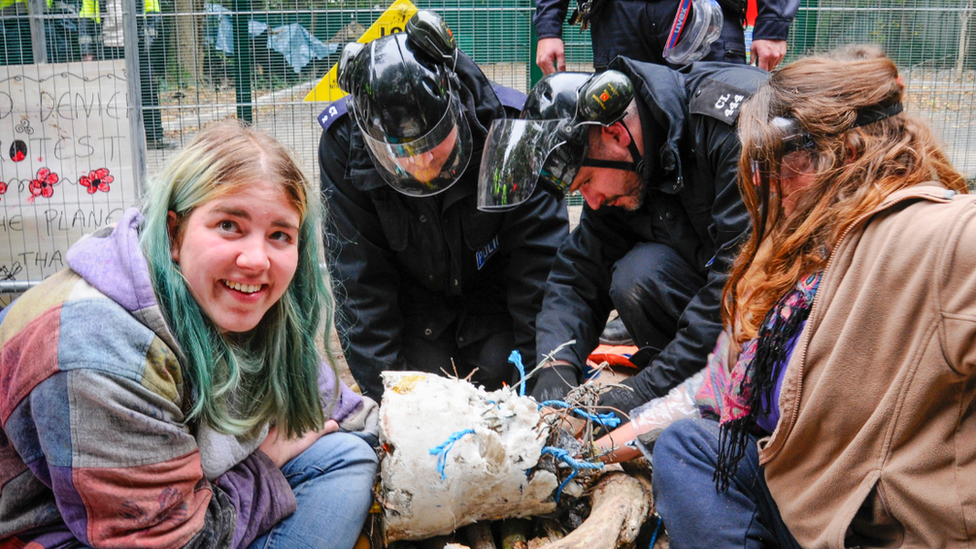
x,y
634,192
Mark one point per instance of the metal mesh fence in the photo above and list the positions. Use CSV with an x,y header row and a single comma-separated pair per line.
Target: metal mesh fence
x,y
66,66
928,39
266,85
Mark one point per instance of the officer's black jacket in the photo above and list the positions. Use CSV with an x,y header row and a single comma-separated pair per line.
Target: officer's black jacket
x,y
693,205
772,21
413,266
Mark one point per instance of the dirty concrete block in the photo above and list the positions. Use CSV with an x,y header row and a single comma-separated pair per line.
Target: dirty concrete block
x,y
483,444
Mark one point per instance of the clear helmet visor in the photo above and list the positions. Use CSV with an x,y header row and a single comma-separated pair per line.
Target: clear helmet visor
x,y
697,24
518,154
429,164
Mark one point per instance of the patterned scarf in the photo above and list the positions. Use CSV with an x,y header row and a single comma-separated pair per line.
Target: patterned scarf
x,y
739,398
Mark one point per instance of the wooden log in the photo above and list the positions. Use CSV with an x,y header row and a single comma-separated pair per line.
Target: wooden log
x,y
514,533
479,535
620,505
436,542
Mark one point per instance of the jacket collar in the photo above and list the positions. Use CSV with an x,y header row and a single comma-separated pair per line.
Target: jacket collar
x,y
663,108
930,190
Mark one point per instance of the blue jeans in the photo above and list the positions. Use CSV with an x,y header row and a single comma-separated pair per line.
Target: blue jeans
x,y
332,481
695,513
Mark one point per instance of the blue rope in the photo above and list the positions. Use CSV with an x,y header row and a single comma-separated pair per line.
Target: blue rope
x,y
656,528
563,456
516,359
608,419
442,450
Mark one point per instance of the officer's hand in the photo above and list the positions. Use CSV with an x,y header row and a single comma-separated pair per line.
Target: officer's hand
x,y
550,55
621,400
768,53
554,381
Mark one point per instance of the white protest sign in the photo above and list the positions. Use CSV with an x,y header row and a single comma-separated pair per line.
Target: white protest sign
x,y
65,161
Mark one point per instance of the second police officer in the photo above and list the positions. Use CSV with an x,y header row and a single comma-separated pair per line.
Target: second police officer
x,y
654,153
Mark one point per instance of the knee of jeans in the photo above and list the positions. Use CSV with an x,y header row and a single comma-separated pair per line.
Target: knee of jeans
x,y
683,441
336,451
363,462
359,451
666,449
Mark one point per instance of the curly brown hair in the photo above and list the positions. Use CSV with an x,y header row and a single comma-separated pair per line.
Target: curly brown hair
x,y
855,168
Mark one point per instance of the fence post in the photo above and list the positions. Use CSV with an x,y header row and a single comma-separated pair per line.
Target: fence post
x,y
133,73
242,47
35,13
535,73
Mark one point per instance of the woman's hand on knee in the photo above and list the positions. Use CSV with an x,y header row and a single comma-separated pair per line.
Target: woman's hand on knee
x,y
281,450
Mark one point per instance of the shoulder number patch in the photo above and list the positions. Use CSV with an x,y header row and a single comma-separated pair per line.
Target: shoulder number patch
x,y
332,113
718,100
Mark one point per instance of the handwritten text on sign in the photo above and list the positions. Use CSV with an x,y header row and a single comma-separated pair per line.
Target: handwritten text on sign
x,y
65,161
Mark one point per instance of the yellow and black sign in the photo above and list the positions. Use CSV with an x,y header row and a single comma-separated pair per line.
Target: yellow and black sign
x,y
392,21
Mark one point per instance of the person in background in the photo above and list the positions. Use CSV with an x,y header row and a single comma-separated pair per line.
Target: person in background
x,y
15,33
642,30
100,36
60,32
165,390
654,153
839,402
426,280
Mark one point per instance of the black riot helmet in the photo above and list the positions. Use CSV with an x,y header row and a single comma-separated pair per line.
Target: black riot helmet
x,y
404,96
550,142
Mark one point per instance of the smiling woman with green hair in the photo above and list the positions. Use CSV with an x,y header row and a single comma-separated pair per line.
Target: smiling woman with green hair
x,y
165,390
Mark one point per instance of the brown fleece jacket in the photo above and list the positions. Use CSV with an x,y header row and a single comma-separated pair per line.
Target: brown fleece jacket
x,y
877,442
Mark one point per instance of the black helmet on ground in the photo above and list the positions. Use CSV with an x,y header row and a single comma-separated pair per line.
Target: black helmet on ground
x,y
403,94
550,141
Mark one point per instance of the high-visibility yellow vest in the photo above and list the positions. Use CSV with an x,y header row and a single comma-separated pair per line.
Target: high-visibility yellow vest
x,y
90,8
8,3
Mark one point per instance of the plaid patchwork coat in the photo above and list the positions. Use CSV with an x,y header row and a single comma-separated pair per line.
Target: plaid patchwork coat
x,y
95,446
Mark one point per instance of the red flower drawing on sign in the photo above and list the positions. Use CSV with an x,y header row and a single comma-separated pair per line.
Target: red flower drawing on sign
x,y
43,185
3,187
97,180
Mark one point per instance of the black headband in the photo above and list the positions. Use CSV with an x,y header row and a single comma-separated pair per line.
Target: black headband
x,y
796,138
873,114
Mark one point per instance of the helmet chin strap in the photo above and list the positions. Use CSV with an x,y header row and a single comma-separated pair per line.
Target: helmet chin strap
x,y
635,165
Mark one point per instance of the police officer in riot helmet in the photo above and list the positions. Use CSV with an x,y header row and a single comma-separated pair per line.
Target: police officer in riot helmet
x,y
426,281
654,154
408,109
